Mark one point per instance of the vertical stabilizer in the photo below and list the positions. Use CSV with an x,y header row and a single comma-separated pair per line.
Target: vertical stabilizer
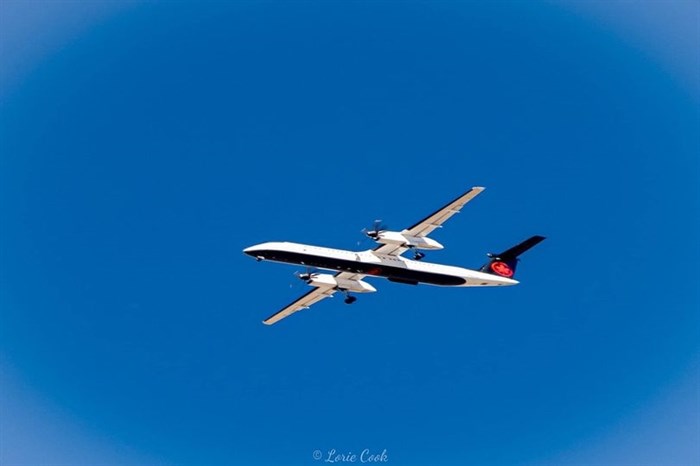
x,y
505,263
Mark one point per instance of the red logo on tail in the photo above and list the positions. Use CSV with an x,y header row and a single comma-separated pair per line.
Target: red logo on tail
x,y
502,269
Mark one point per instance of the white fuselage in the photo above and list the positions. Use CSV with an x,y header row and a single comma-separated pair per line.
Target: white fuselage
x,y
371,263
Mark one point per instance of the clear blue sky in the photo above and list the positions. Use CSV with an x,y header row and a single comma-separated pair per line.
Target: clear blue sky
x,y
143,145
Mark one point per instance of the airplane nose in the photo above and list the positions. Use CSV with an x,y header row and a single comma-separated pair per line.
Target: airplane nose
x,y
258,251
250,250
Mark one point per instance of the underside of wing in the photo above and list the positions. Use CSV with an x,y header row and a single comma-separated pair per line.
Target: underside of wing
x,y
437,218
431,222
349,276
306,301
310,298
390,249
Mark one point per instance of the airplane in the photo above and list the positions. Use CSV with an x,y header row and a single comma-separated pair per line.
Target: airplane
x,y
386,261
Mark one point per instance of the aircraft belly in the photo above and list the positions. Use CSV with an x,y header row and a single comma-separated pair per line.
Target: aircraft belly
x,y
342,262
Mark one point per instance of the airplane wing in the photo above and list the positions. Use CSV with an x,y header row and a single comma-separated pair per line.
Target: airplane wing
x,y
312,297
431,222
390,249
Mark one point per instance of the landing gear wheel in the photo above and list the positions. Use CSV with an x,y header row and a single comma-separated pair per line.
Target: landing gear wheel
x,y
350,299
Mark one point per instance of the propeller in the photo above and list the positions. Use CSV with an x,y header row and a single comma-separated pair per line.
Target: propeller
x,y
377,228
307,275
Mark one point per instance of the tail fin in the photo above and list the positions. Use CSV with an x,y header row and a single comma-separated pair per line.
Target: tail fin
x,y
504,264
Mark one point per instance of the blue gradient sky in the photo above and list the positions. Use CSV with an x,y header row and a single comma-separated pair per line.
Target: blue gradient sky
x,y
144,145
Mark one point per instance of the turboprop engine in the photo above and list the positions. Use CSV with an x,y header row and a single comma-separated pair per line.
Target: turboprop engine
x,y
324,280
406,240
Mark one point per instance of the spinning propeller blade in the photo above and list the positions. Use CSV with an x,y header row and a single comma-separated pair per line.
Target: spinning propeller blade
x,y
307,275
377,228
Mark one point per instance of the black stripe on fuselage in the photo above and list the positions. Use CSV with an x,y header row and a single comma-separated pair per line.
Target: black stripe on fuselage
x,y
397,274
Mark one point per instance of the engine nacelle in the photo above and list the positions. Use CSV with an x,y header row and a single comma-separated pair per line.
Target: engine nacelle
x,y
325,280
406,240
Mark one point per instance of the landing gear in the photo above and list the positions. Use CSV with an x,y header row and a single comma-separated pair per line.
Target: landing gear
x,y
417,255
348,298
